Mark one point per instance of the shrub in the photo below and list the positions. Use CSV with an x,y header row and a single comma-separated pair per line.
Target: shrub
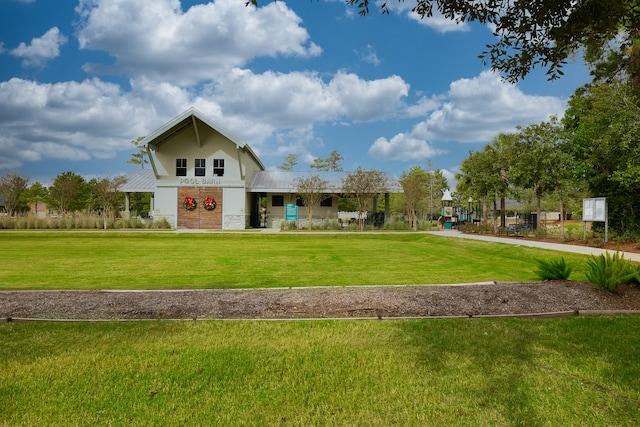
x,y
555,269
609,272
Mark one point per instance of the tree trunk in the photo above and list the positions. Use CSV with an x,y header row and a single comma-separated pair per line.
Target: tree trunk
x,y
561,213
503,213
538,209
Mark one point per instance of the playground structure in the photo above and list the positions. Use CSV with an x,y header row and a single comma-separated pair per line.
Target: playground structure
x,y
454,216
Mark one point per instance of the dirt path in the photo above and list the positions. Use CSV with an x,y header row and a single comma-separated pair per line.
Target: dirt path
x,y
318,302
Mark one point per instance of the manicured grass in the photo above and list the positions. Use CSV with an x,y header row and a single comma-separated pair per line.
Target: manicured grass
x,y
147,260
572,371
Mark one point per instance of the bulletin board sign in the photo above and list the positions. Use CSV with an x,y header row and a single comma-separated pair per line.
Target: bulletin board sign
x,y
595,210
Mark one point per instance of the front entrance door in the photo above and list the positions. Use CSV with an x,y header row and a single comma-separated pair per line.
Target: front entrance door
x,y
205,209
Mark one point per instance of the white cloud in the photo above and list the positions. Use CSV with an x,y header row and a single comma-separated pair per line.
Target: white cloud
x,y
41,49
423,106
95,119
159,40
473,110
437,22
480,108
70,120
369,56
402,147
299,99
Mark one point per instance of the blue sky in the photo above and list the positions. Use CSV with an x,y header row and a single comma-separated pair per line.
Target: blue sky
x,y
79,80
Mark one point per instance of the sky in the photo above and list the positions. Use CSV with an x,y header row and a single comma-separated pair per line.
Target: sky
x,y
80,80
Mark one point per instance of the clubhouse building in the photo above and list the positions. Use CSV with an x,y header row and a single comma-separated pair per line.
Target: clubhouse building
x,y
204,177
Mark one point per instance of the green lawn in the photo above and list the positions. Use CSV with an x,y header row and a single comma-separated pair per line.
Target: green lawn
x,y
473,372
156,260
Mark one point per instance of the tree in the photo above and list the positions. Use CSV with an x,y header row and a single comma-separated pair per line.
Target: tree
x,y
543,33
109,196
66,194
35,194
365,186
12,187
331,163
414,185
602,122
484,173
138,157
540,163
290,161
312,191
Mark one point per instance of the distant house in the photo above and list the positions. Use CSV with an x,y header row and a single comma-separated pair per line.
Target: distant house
x,y
204,177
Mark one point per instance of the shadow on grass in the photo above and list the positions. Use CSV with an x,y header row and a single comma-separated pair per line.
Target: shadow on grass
x,y
575,371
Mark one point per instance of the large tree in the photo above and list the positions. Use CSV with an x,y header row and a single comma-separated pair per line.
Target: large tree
x,y
603,121
485,174
67,193
422,189
539,163
12,188
364,186
35,194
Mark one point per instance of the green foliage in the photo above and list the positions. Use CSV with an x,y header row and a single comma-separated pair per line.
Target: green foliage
x,y
609,272
477,228
555,269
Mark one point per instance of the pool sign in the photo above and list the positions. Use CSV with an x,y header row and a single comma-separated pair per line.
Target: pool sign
x,y
291,213
595,210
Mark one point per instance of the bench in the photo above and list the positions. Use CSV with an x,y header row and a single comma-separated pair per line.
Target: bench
x,y
518,230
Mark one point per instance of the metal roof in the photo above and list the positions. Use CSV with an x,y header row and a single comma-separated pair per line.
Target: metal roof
x,y
287,182
144,181
140,181
272,181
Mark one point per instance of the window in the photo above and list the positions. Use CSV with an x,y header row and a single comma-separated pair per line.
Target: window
x,y
328,202
277,200
218,167
181,167
201,167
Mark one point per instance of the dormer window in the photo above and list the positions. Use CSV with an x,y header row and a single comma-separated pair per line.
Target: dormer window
x,y
181,167
218,167
201,167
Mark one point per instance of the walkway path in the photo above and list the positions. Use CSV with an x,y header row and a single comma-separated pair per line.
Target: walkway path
x,y
533,243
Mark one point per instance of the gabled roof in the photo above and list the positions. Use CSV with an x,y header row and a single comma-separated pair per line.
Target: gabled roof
x,y
187,119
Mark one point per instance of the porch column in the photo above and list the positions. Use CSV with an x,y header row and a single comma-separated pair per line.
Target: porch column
x,y
387,210
127,201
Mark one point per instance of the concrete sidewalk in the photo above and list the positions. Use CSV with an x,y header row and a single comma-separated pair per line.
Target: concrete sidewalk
x,y
535,244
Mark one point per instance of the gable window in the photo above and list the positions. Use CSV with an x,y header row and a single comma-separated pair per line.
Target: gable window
x,y
277,200
201,167
181,167
218,167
